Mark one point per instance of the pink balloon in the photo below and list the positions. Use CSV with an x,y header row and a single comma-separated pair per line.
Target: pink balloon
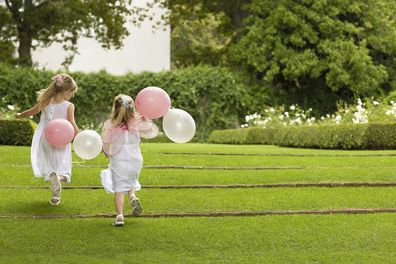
x,y
59,132
152,102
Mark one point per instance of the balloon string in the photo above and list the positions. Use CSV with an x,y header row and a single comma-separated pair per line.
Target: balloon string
x,y
79,163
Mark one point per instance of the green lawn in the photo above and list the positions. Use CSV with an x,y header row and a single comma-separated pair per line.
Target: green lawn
x,y
260,239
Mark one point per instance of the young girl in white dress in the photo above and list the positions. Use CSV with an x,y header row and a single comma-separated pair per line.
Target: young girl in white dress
x,y
121,138
52,163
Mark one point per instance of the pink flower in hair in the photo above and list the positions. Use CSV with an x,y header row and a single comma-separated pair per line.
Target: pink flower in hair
x,y
58,80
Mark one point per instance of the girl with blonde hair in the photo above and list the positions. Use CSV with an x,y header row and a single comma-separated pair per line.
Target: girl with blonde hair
x,y
52,163
121,139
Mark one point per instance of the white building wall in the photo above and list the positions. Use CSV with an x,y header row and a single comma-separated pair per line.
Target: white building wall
x,y
143,50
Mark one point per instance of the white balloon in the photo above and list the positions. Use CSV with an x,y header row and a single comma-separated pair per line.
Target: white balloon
x,y
178,125
151,133
87,144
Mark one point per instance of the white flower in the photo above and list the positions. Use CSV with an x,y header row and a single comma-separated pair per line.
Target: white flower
x,y
292,107
286,114
298,121
375,103
338,119
11,107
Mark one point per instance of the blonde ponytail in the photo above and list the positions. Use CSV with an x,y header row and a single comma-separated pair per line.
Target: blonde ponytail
x,y
60,83
123,109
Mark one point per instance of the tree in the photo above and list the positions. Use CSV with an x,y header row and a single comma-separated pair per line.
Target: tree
x,y
198,39
42,22
312,47
202,30
7,47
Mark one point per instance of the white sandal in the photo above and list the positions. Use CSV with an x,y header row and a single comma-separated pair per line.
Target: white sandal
x,y
136,206
55,201
56,186
119,220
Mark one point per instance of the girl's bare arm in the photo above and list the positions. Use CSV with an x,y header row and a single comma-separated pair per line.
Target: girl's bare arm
x,y
70,118
30,112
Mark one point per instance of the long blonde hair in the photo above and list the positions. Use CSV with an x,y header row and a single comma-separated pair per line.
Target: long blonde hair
x,y
123,109
60,83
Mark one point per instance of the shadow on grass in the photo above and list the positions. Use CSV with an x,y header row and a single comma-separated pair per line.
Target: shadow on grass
x,y
42,207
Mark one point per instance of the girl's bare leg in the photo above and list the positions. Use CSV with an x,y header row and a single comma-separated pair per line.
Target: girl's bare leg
x,y
119,202
62,178
131,194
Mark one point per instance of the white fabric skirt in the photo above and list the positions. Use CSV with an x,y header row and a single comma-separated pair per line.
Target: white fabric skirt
x,y
121,176
47,159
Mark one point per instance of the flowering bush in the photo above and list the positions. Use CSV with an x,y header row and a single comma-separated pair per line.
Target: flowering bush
x,y
369,110
280,116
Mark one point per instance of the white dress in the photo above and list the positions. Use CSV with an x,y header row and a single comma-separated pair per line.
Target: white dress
x,y
124,168
46,158
121,144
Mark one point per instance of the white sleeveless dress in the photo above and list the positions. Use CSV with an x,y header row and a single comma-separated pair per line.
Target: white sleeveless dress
x,y
121,144
46,158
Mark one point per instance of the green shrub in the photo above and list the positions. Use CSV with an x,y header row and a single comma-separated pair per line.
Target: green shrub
x,y
212,95
381,136
229,136
243,136
16,132
345,136
348,136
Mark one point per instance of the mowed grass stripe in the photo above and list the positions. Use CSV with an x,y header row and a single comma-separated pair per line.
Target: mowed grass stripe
x,y
224,148
157,177
200,200
22,157
278,239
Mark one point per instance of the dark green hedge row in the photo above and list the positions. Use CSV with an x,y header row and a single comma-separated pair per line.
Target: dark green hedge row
x,y
16,132
213,96
348,136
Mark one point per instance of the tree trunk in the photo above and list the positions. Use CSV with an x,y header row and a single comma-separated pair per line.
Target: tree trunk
x,y
25,36
25,45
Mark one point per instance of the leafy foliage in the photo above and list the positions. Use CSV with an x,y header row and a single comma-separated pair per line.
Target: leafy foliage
x,y
213,96
36,23
16,132
336,47
203,30
345,136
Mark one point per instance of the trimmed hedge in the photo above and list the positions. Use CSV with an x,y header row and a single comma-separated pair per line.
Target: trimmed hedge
x,y
347,136
243,136
16,132
213,96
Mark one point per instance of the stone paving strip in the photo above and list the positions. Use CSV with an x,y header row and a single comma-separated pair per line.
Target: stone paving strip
x,y
211,214
277,154
229,186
